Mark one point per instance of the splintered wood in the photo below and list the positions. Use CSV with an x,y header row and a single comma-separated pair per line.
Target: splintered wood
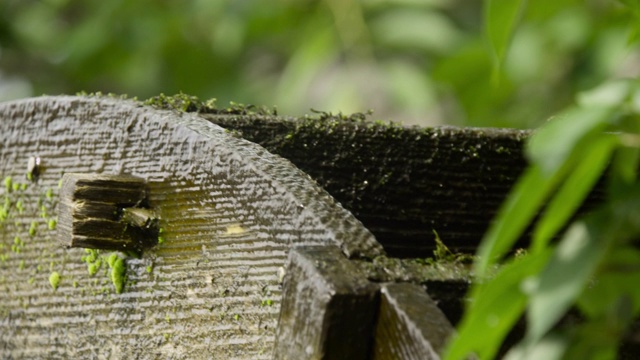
x,y
91,208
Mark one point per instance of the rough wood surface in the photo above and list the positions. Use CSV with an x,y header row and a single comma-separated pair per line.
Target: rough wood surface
x,y
410,325
95,212
328,308
229,213
401,182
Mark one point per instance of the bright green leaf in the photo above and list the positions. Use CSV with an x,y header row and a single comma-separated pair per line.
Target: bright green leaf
x,y
496,306
594,160
516,213
552,145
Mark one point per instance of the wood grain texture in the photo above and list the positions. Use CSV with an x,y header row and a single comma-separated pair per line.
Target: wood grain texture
x,y
410,325
229,213
401,182
95,211
328,308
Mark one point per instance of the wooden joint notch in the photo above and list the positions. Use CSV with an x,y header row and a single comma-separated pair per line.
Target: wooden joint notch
x,y
106,212
328,307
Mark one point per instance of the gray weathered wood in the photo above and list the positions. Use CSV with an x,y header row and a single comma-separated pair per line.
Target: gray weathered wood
x,y
229,213
328,307
410,325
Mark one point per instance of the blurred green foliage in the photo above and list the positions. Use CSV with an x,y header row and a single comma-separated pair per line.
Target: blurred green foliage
x,y
591,268
416,61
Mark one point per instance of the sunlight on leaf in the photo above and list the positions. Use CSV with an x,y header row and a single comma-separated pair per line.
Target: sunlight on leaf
x,y
415,29
553,144
594,159
611,93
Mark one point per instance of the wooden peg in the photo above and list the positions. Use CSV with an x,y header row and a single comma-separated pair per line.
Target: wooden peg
x,y
105,212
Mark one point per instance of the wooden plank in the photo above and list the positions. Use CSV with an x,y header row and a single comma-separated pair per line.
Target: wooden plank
x,y
328,307
229,212
401,182
410,325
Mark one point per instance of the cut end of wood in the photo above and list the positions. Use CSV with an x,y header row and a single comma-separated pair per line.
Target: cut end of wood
x,y
105,212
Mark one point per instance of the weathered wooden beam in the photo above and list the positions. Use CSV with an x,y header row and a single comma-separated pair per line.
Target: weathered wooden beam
x,y
99,212
328,307
229,213
410,325
401,182
446,282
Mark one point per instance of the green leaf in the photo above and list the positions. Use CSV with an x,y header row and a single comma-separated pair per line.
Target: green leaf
x,y
501,17
552,145
632,4
555,150
573,263
495,307
594,159
623,172
515,214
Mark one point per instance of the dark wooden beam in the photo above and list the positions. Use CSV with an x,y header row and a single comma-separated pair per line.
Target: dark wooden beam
x,y
328,307
401,182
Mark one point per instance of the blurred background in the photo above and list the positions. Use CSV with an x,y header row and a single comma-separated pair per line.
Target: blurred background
x,y
413,61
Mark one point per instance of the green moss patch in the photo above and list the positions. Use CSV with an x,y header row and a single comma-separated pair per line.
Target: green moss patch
x,y
54,280
118,272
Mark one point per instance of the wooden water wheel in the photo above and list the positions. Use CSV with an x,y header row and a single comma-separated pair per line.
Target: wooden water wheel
x,y
128,231
228,212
